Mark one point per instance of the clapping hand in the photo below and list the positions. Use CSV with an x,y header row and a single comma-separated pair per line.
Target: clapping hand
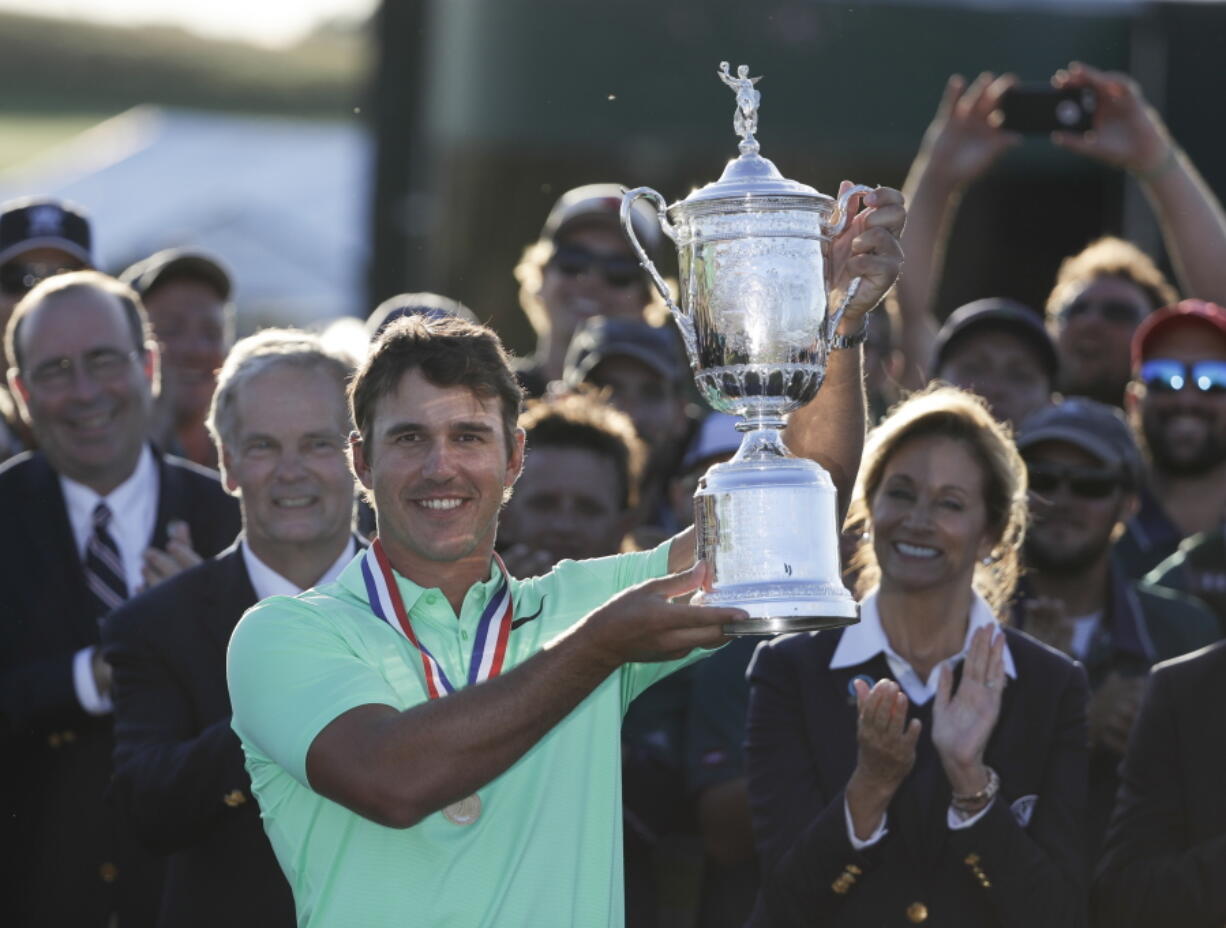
x,y
886,752
1127,132
178,555
963,721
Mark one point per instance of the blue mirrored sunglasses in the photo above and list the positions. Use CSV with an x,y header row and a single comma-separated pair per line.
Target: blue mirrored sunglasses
x,y
1166,375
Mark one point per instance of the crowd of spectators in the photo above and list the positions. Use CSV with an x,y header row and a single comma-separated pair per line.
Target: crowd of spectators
x,y
1058,472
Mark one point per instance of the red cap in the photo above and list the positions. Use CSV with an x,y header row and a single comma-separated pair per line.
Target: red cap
x,y
1182,313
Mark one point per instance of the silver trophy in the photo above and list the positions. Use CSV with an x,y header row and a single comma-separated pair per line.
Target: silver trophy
x,y
755,321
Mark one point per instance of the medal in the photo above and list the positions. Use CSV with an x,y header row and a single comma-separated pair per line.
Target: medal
x,y
489,644
464,812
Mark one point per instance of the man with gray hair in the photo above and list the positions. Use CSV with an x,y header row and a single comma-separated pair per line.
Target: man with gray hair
x,y
280,422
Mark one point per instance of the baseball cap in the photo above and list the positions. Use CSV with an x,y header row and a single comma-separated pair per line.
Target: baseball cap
x,y
431,305
44,223
716,436
602,202
1094,427
995,313
607,337
1185,312
175,263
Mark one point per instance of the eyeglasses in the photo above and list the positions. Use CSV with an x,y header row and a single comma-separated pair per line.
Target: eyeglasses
x,y
104,365
18,279
1166,375
617,270
1088,483
1117,312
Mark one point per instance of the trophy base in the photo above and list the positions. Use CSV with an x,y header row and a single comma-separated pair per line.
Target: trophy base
x,y
783,617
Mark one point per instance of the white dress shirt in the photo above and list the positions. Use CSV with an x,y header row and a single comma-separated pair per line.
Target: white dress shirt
x,y
865,640
267,582
134,506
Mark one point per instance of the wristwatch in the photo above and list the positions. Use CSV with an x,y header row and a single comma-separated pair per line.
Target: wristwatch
x,y
857,337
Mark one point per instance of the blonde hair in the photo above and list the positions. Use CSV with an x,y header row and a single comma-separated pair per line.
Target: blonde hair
x,y
950,412
1110,257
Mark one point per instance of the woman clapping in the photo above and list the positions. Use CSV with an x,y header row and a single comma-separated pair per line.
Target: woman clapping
x,y
925,764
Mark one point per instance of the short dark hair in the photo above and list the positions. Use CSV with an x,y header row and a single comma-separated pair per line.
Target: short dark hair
x,y
584,420
64,284
450,352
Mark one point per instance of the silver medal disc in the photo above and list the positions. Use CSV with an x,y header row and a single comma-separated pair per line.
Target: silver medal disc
x,y
464,812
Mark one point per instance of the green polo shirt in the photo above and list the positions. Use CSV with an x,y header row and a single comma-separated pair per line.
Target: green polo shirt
x,y
547,849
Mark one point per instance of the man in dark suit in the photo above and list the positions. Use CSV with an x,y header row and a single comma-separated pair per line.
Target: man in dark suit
x,y
1164,859
93,517
280,421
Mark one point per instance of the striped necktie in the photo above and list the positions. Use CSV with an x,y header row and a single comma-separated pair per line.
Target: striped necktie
x,y
104,573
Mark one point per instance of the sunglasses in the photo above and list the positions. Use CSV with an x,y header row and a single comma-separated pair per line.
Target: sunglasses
x,y
1088,483
617,270
18,279
1164,375
1117,312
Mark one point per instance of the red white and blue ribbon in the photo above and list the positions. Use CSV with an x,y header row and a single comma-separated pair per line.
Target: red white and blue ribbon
x,y
493,628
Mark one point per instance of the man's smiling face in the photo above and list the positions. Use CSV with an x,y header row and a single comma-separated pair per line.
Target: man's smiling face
x,y
438,466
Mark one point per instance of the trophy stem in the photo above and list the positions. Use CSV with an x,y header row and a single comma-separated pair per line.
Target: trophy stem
x,y
763,438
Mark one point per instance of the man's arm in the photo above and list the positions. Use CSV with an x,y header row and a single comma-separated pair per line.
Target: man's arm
x,y
960,144
830,429
371,758
1129,134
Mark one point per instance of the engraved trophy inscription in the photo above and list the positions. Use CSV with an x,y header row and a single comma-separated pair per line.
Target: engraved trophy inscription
x,y
755,319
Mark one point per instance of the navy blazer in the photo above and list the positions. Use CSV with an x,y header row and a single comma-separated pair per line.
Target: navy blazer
x,y
801,751
69,862
179,774
1164,859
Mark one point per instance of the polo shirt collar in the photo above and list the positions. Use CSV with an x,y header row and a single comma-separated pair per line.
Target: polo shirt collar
x,y
476,597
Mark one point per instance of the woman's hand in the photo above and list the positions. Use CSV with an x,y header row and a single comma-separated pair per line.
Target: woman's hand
x,y
963,721
886,753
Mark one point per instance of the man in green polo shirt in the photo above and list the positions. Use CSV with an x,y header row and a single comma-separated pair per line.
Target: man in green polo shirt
x,y
433,742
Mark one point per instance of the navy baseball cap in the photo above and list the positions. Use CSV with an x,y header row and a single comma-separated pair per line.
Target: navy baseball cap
x,y
430,305
44,223
608,337
1096,428
601,202
177,264
1000,314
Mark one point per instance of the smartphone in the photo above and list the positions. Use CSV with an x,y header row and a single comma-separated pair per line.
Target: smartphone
x,y
1041,108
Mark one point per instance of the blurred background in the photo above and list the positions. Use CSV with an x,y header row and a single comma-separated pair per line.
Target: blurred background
x,y
339,151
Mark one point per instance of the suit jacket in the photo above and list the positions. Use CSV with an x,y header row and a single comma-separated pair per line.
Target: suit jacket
x,y
801,751
179,774
73,865
1164,858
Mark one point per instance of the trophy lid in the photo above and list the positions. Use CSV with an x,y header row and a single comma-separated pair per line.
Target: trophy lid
x,y
750,175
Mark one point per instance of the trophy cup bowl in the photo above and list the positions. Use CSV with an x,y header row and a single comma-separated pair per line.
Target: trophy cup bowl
x,y
755,319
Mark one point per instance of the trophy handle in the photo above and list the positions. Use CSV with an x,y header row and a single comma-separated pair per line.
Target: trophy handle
x,y
684,323
834,227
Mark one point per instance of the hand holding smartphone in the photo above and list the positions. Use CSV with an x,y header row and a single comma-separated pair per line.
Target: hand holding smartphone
x,y
1043,109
